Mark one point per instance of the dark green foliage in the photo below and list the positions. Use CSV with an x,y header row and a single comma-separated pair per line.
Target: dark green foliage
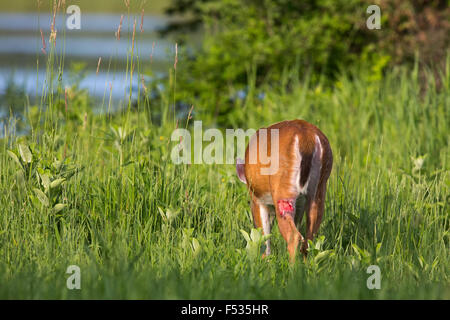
x,y
251,44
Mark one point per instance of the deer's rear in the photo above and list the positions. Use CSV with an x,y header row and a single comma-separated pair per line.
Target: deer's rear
x,y
303,159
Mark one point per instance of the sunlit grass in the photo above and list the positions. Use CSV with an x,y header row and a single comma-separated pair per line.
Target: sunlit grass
x,y
112,226
100,191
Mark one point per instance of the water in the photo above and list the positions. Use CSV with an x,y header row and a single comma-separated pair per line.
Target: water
x,y
20,45
31,22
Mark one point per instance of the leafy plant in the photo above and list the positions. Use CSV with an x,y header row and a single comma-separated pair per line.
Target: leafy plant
x,y
254,243
47,189
317,257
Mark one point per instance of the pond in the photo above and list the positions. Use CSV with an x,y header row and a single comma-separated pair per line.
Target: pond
x,y
23,63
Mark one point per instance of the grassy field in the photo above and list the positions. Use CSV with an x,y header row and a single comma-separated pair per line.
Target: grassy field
x,y
100,191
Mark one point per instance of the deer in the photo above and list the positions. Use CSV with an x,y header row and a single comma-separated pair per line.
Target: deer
x,y
288,182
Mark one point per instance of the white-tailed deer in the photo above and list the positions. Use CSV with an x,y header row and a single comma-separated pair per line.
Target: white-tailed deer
x,y
303,159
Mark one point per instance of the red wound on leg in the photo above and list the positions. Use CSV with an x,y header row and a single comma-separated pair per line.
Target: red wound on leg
x,y
285,206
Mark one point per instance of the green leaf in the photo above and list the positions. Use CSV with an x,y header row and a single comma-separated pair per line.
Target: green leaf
x,y
58,207
196,246
322,256
114,131
45,180
15,158
20,178
435,263
265,237
117,145
358,250
163,215
57,183
378,247
171,214
122,133
255,235
421,261
25,153
41,197
57,165
245,234
319,243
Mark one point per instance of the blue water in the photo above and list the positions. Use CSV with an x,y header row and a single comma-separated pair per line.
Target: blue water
x,y
89,22
20,42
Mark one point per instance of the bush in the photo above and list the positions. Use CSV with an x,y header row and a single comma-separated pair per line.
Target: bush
x,y
262,41
248,44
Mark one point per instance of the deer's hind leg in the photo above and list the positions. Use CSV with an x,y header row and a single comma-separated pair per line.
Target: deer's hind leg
x,y
285,203
301,206
261,219
314,215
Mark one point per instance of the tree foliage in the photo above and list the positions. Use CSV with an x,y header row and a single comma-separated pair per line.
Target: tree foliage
x,y
255,42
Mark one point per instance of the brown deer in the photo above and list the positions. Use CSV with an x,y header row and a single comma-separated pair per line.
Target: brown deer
x,y
300,166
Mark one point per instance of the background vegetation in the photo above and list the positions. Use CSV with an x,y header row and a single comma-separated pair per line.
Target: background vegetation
x,y
98,189
280,40
101,6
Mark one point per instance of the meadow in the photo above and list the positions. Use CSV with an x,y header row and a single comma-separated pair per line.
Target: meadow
x,y
99,190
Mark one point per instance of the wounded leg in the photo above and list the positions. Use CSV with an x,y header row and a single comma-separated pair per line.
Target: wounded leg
x,y
285,216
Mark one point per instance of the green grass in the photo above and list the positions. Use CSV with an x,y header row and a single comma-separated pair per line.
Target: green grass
x,y
108,215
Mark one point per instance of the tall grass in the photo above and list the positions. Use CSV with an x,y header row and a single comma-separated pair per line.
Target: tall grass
x,y
101,192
